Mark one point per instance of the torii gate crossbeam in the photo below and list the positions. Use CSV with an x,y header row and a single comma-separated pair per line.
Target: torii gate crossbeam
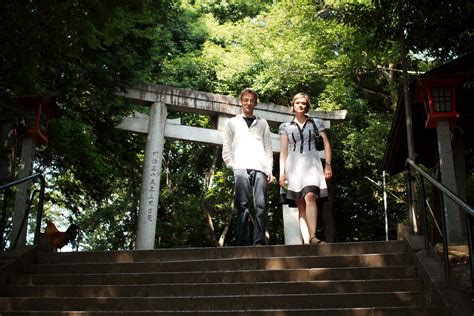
x,y
163,99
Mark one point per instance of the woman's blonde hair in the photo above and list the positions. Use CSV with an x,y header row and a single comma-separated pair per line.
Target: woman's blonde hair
x,y
301,95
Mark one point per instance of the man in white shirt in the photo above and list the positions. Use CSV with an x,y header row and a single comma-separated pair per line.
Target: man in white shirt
x,y
247,150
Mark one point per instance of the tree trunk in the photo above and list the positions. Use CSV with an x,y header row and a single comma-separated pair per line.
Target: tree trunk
x,y
226,228
393,76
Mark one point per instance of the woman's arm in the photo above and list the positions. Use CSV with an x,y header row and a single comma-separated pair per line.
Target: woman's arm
x,y
327,151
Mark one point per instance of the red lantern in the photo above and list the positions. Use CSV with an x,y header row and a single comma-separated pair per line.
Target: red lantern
x,y
439,99
37,110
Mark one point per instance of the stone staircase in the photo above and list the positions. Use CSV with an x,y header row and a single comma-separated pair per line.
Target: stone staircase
x,y
366,278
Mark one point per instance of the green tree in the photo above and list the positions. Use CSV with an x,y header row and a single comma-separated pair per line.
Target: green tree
x,y
286,49
439,30
345,54
84,52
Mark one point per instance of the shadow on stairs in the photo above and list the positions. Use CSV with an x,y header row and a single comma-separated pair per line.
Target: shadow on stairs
x,y
364,278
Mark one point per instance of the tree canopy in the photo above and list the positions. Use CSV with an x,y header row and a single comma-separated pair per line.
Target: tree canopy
x,y
344,54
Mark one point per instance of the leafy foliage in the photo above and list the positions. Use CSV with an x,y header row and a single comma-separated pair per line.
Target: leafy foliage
x,y
441,29
344,54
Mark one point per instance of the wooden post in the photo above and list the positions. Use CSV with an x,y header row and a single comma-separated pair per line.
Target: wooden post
x,y
409,127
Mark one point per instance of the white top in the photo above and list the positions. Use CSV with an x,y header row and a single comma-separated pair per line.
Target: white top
x,y
248,147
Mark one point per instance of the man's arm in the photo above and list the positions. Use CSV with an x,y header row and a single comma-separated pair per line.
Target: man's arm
x,y
267,139
227,150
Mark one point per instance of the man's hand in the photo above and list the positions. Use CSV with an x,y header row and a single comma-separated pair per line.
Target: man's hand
x,y
270,178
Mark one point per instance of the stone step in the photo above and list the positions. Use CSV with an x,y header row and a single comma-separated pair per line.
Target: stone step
x,y
210,289
314,274
366,278
360,311
223,303
337,249
270,263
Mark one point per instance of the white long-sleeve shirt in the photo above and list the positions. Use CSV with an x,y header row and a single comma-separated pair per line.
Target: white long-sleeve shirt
x,y
248,147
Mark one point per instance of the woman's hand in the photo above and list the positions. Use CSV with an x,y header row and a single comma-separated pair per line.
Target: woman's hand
x,y
282,180
327,171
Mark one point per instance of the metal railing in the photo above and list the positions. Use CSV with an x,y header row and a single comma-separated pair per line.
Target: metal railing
x,y
468,210
5,189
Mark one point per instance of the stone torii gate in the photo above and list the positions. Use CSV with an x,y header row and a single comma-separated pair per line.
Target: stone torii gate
x,y
162,99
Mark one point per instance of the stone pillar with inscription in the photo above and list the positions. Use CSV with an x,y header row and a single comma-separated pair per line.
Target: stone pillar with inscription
x,y
151,177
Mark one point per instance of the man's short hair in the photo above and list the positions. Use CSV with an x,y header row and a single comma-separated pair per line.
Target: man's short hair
x,y
248,90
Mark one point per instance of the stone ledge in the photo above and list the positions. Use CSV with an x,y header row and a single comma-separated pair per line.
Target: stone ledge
x,y
449,298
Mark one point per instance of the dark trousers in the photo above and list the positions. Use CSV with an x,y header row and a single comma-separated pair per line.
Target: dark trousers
x,y
249,182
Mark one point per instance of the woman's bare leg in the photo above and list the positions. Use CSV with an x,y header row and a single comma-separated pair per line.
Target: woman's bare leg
x,y
301,204
311,214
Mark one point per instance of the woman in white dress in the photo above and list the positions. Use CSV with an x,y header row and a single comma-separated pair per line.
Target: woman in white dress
x,y
301,171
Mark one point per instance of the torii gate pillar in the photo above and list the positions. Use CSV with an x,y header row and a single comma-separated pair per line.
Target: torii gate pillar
x,y
150,191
